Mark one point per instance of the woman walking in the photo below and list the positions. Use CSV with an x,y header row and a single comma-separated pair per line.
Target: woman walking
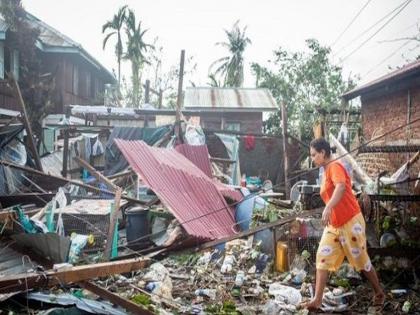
x,y
344,232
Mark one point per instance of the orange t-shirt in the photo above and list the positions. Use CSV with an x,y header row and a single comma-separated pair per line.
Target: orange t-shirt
x,y
348,206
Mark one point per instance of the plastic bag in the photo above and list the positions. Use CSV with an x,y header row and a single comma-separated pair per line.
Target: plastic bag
x,y
285,294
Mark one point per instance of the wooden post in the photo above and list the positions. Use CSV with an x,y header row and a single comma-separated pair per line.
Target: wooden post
x,y
147,92
285,151
27,125
160,99
112,224
66,144
179,98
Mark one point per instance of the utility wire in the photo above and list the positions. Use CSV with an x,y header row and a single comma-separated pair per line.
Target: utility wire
x,y
351,23
255,194
380,29
349,43
386,58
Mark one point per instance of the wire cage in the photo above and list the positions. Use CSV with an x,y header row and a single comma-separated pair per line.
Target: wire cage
x,y
87,217
300,235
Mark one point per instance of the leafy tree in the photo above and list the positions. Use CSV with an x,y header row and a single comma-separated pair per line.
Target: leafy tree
x,y
37,87
115,26
136,47
232,66
304,82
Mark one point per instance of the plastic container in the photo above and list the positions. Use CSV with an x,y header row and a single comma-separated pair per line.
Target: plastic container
x,y
240,278
137,228
282,263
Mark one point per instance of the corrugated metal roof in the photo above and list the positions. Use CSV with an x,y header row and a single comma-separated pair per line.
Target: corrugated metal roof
x,y
401,73
185,189
53,163
11,263
229,99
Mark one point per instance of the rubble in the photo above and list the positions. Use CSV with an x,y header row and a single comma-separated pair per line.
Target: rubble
x,y
159,234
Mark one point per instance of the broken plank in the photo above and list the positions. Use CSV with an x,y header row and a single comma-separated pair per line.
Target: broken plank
x,y
26,281
65,181
112,224
289,219
26,123
95,173
114,298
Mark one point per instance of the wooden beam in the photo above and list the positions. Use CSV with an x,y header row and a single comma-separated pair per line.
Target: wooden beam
x,y
95,173
285,150
147,92
27,281
277,223
221,160
27,125
66,144
115,299
65,181
112,225
121,174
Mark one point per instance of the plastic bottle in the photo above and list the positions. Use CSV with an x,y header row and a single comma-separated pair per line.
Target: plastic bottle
x,y
281,257
227,264
240,278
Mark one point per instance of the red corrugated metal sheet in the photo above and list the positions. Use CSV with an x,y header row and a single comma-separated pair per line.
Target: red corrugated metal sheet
x,y
185,189
198,154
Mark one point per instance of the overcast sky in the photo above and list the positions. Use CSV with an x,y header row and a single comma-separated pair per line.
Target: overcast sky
x,y
196,26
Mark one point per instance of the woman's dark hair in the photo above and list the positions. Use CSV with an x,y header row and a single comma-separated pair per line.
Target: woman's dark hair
x,y
321,144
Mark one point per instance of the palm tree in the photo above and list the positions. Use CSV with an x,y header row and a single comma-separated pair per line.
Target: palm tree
x,y
115,25
136,47
232,67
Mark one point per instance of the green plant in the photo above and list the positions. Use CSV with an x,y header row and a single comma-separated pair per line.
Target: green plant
x,y
232,67
304,82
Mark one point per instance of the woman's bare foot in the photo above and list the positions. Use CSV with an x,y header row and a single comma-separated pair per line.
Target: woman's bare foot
x,y
312,305
379,299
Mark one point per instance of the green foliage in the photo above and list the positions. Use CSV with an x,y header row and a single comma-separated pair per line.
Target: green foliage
x,y
304,82
232,67
227,308
141,299
136,48
115,26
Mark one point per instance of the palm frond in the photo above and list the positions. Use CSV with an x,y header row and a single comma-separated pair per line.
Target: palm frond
x,y
106,39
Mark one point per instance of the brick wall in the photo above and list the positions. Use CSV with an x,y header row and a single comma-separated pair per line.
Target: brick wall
x,y
381,114
388,111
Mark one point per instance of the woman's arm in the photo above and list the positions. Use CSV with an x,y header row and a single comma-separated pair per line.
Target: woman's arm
x,y
335,199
